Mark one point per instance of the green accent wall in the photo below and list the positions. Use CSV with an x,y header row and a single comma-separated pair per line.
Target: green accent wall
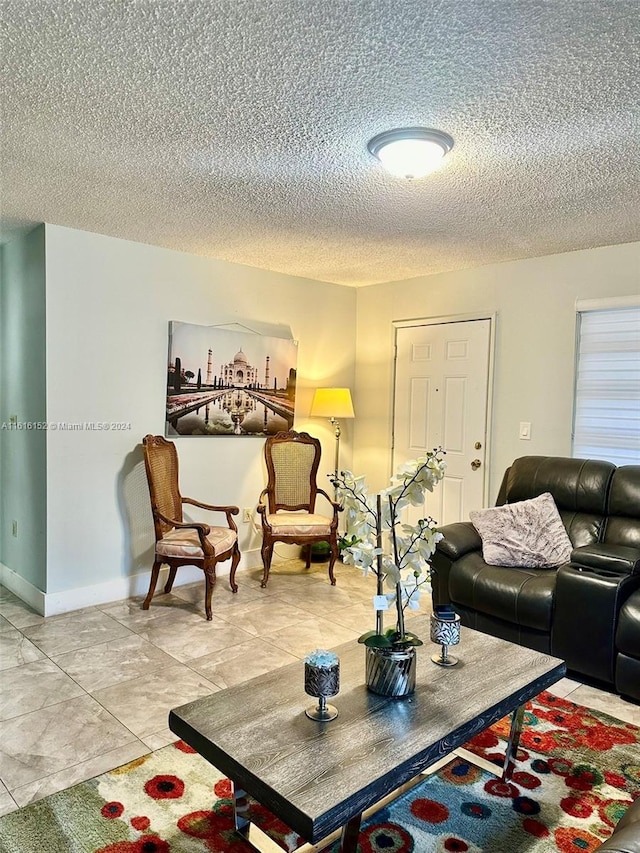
x,y
23,451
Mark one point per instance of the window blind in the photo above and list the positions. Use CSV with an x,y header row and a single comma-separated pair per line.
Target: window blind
x,y
607,392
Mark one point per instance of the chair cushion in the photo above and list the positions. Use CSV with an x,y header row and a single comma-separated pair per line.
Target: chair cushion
x,y
184,542
299,524
526,533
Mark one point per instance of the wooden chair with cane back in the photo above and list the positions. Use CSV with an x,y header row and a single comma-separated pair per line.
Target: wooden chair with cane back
x,y
180,543
287,504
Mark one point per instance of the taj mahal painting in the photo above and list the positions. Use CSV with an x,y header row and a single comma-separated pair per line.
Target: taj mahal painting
x,y
233,383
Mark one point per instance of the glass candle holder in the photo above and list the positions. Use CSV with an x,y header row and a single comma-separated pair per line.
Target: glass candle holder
x,y
322,680
446,632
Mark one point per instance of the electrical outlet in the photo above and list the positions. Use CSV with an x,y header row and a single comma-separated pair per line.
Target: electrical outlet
x,y
246,515
14,528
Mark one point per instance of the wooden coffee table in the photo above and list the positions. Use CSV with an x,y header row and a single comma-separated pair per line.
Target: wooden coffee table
x,y
319,777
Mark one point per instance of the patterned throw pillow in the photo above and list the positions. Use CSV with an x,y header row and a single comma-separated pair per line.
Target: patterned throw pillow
x,y
528,534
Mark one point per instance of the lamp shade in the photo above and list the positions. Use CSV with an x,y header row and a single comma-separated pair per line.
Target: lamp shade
x,y
332,403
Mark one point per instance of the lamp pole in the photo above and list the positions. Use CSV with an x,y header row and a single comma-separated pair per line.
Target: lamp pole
x,y
333,403
336,423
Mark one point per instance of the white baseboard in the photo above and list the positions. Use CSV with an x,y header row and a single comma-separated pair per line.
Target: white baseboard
x,y
54,603
26,591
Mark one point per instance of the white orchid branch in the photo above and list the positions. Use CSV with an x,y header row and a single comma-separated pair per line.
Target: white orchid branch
x,y
410,548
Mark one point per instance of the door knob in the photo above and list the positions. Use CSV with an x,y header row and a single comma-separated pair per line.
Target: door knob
x,y
476,464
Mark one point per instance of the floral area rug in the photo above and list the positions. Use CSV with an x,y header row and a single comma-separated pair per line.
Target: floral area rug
x,y
576,773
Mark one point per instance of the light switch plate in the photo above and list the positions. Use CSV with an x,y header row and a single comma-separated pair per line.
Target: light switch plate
x,y
525,431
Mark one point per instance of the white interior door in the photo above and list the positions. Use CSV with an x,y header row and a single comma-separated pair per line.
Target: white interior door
x,y
441,400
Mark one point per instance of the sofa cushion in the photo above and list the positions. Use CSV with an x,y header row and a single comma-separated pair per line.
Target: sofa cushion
x,y
580,489
581,485
582,527
515,595
527,533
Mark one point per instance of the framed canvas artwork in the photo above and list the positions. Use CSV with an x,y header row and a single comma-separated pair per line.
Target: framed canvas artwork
x,y
228,383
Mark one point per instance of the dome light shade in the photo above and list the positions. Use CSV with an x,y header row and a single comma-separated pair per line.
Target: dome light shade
x,y
411,152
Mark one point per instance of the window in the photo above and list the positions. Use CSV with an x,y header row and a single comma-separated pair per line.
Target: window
x,y
607,396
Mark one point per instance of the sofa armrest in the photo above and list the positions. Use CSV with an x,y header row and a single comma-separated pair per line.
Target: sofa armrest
x,y
613,558
586,609
627,840
626,835
460,538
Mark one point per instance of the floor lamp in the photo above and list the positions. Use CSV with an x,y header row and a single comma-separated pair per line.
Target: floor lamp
x,y
333,403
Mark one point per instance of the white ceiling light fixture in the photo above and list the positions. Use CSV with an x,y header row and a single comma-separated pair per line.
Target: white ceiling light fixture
x,y
411,152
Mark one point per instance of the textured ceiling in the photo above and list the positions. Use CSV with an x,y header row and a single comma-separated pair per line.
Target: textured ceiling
x,y
237,129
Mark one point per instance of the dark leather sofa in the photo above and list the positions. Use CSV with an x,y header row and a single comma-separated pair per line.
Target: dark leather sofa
x,y
586,612
626,835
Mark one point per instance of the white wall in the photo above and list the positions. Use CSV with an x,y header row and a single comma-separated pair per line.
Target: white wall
x,y
22,394
534,301
108,306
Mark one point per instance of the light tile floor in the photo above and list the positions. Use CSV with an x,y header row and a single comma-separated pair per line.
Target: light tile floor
x,y
84,692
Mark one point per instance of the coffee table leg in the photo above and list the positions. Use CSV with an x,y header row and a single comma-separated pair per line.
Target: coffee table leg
x,y
350,833
514,739
241,811
251,833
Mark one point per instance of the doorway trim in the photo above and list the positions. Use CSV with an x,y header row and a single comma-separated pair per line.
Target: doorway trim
x,y
442,320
